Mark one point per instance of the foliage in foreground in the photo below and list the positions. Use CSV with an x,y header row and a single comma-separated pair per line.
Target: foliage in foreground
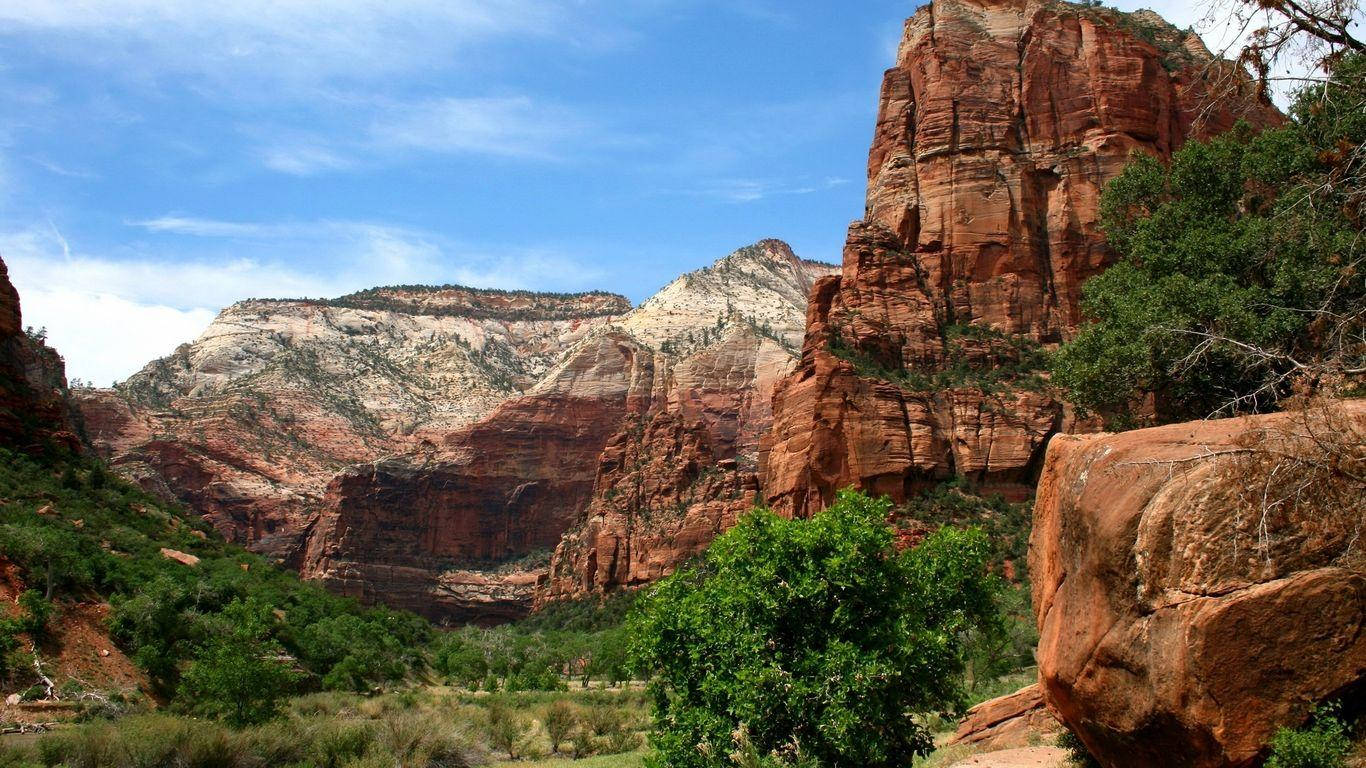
x,y
812,641
1323,743
229,636
412,729
1241,268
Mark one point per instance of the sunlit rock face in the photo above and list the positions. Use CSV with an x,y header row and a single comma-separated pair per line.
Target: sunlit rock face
x,y
1198,586
430,447
999,126
248,423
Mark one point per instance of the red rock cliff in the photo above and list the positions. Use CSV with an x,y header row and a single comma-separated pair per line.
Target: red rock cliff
x,y
998,128
683,466
35,408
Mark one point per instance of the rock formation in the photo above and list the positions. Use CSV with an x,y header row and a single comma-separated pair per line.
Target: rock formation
x,y
640,444
684,464
429,447
998,127
36,413
1008,722
248,424
1199,585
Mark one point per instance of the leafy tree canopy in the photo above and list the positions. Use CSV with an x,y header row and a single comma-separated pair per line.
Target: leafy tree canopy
x,y
811,641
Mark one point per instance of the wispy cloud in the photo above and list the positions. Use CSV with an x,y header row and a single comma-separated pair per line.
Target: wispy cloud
x,y
509,127
291,41
752,190
60,170
304,160
382,132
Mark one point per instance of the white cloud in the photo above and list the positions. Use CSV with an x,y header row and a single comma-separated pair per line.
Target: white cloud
x,y
382,131
507,127
105,338
111,315
304,160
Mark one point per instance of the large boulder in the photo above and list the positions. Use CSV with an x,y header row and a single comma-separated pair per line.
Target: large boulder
x,y
1198,586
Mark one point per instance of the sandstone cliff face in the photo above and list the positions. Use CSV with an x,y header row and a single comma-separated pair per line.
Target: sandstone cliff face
x,y
684,464
1199,585
35,407
459,532
998,128
249,423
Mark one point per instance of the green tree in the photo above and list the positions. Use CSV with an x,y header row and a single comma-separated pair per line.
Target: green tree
x,y
812,639
37,613
354,654
9,642
238,674
56,556
1323,743
1239,280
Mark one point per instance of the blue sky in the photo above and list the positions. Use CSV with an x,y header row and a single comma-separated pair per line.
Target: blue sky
x,y
160,159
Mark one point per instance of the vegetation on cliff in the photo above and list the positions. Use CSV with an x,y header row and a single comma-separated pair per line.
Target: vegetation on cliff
x,y
1240,281
228,626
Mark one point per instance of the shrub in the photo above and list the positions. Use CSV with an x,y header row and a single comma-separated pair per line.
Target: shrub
x,y
1077,753
1324,743
815,638
1239,275
560,720
237,674
507,730
37,612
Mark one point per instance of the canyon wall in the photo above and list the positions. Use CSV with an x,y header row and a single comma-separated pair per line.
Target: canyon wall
x,y
1198,586
681,468
248,424
36,412
998,128
429,447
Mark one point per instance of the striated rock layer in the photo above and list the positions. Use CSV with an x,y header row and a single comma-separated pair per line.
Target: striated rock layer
x,y
36,413
429,447
1198,586
639,445
998,128
249,423
684,463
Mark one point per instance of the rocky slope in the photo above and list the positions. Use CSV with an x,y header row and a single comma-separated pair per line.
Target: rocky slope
x,y
429,447
1198,586
36,412
248,423
998,127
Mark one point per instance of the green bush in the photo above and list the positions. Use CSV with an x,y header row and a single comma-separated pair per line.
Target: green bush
x,y
815,639
164,613
36,613
561,718
1077,753
1324,743
237,674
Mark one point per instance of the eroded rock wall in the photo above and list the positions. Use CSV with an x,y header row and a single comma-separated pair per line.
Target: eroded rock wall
x,y
36,413
998,128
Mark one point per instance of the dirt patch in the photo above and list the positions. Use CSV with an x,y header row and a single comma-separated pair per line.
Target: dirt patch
x,y
1027,757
